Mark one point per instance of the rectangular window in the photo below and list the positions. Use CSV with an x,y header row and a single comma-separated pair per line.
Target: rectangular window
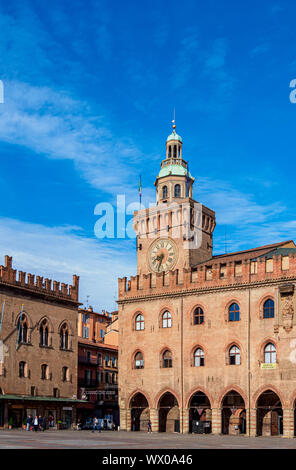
x,y
222,271
87,376
253,267
238,268
106,361
285,263
269,265
209,273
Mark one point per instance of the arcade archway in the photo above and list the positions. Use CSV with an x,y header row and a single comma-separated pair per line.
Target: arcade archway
x,y
200,414
140,413
233,414
169,413
269,414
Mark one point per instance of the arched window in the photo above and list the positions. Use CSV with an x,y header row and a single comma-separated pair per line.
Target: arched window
x,y
167,359
164,192
139,323
44,371
43,332
64,336
177,190
233,312
270,354
65,374
198,316
22,369
199,357
139,361
22,329
166,320
234,355
268,309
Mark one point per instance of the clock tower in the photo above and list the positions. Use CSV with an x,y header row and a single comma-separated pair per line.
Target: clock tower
x,y
177,232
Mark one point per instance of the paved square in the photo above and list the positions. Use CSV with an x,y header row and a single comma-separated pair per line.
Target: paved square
x,y
19,439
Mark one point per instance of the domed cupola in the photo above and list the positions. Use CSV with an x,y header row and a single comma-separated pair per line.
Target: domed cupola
x,y
174,181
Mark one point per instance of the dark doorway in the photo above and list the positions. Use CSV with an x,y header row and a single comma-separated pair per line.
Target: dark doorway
x,y
169,413
233,414
140,413
200,414
269,414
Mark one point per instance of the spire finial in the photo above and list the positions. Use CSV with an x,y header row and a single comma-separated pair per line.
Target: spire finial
x,y
174,120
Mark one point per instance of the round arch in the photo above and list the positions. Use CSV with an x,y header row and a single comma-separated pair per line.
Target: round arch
x,y
233,406
168,413
269,413
140,412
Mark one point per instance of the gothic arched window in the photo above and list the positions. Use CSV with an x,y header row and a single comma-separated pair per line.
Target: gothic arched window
x,y
65,374
164,192
167,359
23,329
270,354
177,190
199,357
64,336
268,309
43,331
234,355
233,312
22,369
139,322
139,360
198,316
166,320
44,371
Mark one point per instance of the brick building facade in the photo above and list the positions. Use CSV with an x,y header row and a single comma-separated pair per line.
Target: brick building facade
x,y
38,348
206,343
97,365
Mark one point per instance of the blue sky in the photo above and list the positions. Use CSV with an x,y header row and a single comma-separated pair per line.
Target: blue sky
x,y
90,87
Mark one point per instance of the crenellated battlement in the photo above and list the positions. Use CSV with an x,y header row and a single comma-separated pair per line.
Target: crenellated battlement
x,y
213,274
37,284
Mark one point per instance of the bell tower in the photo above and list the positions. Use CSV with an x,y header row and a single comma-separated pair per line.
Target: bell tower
x,y
174,182
177,232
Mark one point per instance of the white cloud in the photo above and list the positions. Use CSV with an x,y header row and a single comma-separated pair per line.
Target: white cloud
x,y
60,252
54,125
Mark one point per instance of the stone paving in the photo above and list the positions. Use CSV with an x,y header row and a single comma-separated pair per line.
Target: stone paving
x,y
20,439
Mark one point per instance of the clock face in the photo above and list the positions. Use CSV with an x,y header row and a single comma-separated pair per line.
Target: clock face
x,y
162,255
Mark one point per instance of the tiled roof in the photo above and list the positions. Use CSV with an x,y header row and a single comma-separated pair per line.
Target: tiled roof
x,y
89,342
248,254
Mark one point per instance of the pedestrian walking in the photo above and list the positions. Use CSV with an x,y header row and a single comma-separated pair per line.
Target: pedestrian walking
x,y
43,423
28,422
40,423
95,424
149,426
36,423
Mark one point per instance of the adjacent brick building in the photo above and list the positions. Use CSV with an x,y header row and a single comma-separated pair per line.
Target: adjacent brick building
x,y
97,365
206,343
38,348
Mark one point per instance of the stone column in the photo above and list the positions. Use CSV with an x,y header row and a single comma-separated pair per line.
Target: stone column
x,y
288,422
128,419
154,419
216,420
123,420
184,415
251,424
